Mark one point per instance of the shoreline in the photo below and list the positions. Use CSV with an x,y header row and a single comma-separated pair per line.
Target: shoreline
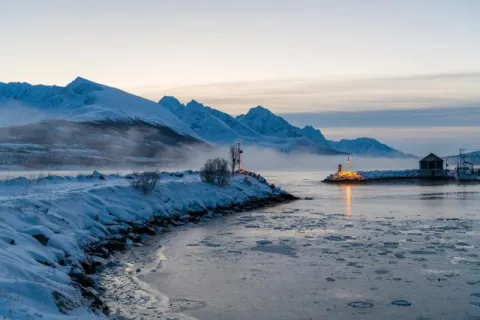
x,y
164,226
58,232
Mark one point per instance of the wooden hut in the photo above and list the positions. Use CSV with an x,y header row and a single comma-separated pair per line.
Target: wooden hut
x,y
432,166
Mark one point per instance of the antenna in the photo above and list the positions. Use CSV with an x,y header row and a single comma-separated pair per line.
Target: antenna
x,y
240,151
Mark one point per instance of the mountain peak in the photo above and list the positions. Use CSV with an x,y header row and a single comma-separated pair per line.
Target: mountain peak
x,y
80,80
81,86
259,110
194,103
308,128
171,103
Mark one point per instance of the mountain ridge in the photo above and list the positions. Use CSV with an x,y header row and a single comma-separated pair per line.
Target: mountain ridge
x,y
83,100
270,130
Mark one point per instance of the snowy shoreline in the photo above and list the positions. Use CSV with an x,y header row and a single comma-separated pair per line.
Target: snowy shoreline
x,y
56,232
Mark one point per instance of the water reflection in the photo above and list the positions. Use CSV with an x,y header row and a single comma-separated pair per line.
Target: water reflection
x,y
348,200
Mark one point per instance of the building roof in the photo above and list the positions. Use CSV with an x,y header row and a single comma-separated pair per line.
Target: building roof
x,y
431,157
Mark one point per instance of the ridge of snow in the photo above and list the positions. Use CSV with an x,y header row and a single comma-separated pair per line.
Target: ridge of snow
x,y
83,100
73,212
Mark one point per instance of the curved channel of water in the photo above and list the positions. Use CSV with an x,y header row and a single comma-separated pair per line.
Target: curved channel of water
x,y
396,251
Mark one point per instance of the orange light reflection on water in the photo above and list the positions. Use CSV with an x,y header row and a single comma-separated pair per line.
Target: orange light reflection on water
x,y
348,201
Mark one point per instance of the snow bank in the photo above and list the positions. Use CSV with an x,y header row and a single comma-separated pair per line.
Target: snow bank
x,y
46,224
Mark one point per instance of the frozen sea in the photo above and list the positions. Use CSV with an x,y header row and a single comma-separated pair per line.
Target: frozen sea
x,y
376,251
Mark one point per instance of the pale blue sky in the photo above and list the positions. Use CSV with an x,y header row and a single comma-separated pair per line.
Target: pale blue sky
x,y
160,42
288,55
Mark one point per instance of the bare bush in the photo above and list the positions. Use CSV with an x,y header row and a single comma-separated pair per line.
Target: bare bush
x,y
216,171
145,182
234,153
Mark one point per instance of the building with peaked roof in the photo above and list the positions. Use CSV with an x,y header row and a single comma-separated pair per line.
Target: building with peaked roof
x,y
432,166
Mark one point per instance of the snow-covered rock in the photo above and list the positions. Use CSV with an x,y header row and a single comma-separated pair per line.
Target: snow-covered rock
x,y
72,212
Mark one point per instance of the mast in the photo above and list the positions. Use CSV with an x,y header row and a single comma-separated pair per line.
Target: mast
x,y
240,151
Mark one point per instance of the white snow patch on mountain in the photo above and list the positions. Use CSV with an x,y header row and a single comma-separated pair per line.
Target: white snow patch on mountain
x,y
81,100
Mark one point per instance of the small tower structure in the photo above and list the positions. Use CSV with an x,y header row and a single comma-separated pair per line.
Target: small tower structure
x,y
240,153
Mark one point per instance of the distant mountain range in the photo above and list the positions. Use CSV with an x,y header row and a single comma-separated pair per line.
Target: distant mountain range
x,y
90,123
262,128
472,157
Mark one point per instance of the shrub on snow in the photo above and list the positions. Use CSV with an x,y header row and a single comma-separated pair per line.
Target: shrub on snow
x,y
145,182
215,171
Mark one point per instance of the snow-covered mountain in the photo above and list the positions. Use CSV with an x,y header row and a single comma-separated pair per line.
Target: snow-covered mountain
x,y
107,124
263,128
472,157
366,147
212,125
264,121
221,128
80,101
86,123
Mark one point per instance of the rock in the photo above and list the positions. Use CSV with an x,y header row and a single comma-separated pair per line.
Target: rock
x,y
41,238
308,198
63,303
135,237
144,230
82,279
114,245
90,266
99,250
96,303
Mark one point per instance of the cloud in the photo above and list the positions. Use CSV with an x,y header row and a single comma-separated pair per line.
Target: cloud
x,y
330,94
457,116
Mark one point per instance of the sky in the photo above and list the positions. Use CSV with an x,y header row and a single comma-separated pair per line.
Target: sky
x,y
293,57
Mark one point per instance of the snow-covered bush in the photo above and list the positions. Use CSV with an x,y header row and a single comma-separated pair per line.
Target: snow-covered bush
x,y
216,171
145,181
